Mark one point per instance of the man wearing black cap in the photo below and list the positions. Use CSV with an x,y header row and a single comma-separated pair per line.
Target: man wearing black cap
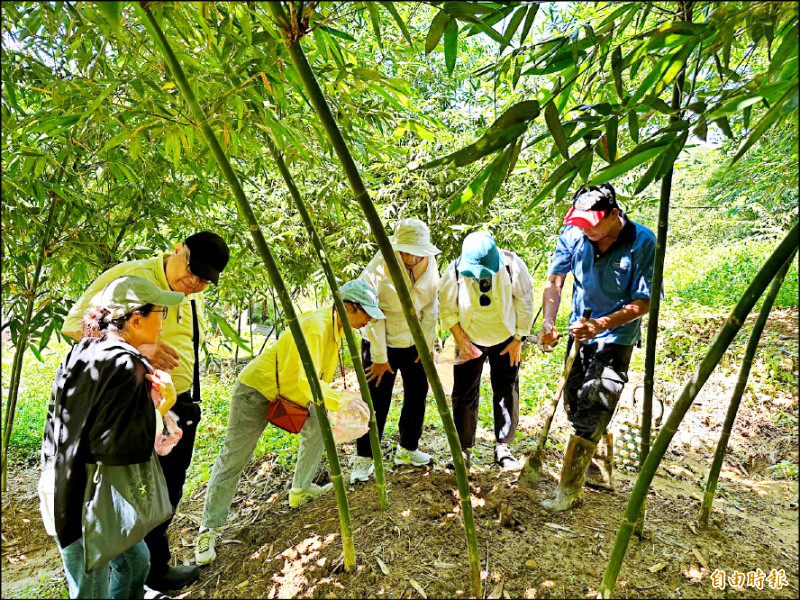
x,y
611,260
194,264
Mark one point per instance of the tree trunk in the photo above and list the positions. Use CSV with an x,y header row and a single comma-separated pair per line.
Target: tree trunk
x,y
732,325
736,398
246,214
355,354
362,197
22,341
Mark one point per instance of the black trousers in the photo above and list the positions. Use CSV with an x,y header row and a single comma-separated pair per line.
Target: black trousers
x,y
598,375
505,395
175,464
415,390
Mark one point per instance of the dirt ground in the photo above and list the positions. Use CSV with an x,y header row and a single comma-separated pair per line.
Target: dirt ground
x,y
417,547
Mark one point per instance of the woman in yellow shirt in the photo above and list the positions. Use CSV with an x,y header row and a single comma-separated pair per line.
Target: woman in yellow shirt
x,y
280,366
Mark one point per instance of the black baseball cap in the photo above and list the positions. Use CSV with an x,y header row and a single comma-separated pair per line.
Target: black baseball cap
x,y
208,255
589,205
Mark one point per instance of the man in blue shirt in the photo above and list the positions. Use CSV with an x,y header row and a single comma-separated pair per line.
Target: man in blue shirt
x,y
611,260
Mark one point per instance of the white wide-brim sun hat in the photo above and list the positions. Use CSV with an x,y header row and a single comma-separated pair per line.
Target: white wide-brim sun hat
x,y
413,237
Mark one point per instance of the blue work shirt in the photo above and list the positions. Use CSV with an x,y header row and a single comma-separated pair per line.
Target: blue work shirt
x,y
606,282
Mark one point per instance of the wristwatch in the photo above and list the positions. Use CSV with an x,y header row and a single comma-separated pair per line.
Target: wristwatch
x,y
520,338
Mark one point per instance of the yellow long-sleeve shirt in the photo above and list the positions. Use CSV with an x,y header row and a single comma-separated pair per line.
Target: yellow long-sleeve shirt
x,y
323,340
177,329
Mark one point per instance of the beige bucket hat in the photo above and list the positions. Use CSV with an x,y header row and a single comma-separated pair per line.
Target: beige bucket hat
x,y
414,237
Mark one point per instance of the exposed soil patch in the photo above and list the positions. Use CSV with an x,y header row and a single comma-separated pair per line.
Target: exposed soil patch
x,y
271,551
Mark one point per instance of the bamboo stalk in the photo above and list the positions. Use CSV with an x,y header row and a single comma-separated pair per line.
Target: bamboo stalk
x,y
732,325
22,342
317,99
738,391
246,214
322,255
658,282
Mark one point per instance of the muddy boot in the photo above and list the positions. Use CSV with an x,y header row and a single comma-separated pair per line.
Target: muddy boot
x,y
599,473
569,492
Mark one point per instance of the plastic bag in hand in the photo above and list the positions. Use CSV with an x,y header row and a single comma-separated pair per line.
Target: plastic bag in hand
x,y
170,434
450,354
351,421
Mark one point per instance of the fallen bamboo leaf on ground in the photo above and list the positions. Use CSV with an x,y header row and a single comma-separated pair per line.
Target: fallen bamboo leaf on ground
x,y
700,558
418,587
382,565
558,527
496,592
657,567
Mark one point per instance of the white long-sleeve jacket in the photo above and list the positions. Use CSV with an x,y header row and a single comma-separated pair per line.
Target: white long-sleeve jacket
x,y
393,331
511,296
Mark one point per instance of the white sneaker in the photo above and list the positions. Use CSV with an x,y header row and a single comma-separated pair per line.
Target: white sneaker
x,y
299,497
204,552
362,469
411,457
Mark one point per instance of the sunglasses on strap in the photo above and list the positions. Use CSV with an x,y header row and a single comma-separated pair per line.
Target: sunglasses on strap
x,y
485,286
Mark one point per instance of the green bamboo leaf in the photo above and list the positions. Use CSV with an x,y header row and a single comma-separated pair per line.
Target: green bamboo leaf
x,y
616,71
469,192
515,155
648,177
661,106
786,49
513,25
414,127
526,27
670,155
389,6
8,88
450,45
637,156
781,108
484,27
725,126
625,8
611,135
376,20
554,125
498,175
585,168
633,126
526,110
564,170
467,9
34,349
746,114
228,331
115,141
338,33
701,129
561,191
436,30
488,143
112,11
98,101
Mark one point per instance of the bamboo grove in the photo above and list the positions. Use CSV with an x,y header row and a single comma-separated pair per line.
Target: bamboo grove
x,y
616,99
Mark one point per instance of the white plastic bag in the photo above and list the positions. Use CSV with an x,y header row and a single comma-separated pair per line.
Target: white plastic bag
x,y
169,433
450,354
351,421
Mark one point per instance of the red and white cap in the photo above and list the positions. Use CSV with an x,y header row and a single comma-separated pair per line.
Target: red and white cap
x,y
589,205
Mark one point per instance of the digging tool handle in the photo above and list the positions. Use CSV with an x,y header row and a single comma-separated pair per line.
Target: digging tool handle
x,y
561,383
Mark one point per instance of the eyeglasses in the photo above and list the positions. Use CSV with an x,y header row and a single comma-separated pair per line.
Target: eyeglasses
x,y
164,311
485,286
189,271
